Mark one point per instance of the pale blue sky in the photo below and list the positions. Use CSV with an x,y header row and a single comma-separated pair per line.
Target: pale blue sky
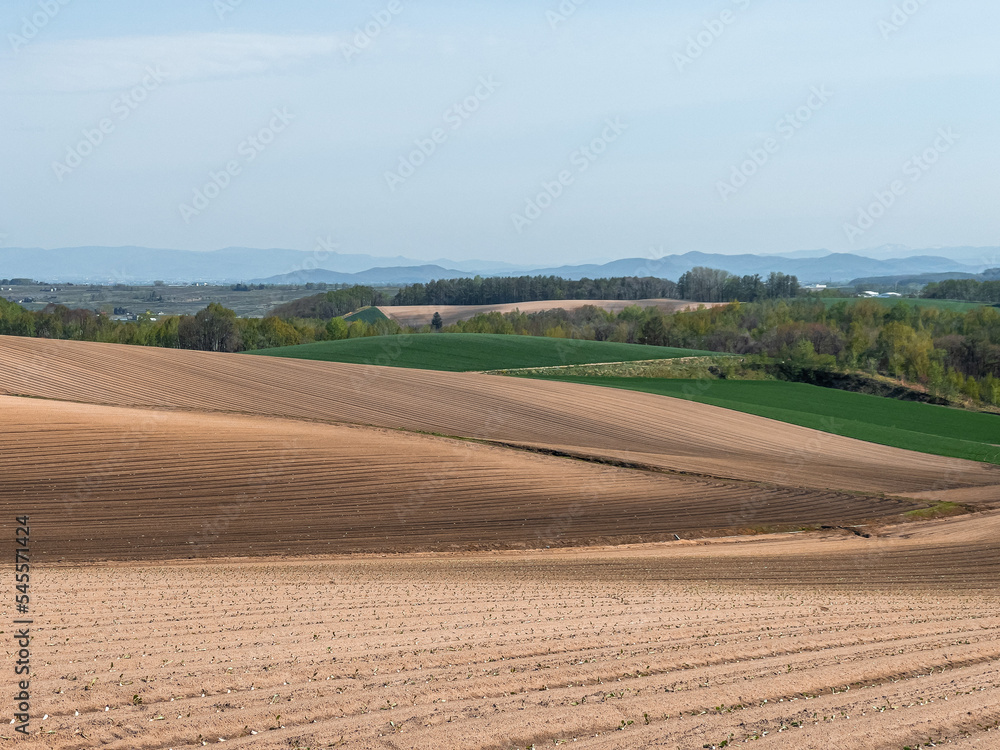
x,y
551,86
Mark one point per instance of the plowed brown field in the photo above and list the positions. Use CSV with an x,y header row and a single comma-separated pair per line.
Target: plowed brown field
x,y
145,484
420,315
823,639
776,642
585,421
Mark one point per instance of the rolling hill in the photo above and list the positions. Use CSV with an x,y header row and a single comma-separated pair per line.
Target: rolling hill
x,y
934,429
640,431
464,352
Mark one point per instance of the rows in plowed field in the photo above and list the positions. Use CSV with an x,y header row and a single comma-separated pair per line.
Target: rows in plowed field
x,y
624,650
421,315
115,483
581,419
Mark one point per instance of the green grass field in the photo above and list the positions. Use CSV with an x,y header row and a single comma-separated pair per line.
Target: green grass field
x,y
943,304
366,315
460,352
902,424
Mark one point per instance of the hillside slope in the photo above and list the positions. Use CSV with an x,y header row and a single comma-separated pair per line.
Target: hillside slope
x,y
580,420
105,482
464,352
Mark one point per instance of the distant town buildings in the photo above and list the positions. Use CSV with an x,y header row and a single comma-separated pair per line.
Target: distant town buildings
x,y
883,295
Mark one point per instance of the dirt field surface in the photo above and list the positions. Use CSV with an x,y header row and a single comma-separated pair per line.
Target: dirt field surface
x,y
420,315
189,512
789,641
145,484
577,420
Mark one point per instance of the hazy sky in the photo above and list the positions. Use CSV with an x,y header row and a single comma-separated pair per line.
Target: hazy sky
x,y
523,131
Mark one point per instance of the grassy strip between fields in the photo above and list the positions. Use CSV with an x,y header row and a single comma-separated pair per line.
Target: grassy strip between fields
x,y
914,426
463,352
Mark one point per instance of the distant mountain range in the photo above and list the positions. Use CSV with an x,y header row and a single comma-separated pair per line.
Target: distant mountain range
x,y
138,265
966,255
831,268
390,275
142,265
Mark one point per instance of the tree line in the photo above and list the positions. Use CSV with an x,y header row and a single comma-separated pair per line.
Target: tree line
x,y
950,353
509,289
215,328
699,285
964,290
714,285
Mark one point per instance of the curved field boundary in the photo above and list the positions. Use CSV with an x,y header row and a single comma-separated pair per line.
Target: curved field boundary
x,y
469,352
366,315
610,369
664,432
115,483
940,430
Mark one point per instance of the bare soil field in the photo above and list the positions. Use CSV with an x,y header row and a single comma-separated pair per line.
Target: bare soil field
x,y
110,483
132,461
790,641
580,421
420,315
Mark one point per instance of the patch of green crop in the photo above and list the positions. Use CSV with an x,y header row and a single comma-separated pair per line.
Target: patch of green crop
x,y
914,426
461,352
940,510
366,315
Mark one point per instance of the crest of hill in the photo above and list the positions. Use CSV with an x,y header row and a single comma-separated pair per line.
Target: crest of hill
x,y
598,424
462,352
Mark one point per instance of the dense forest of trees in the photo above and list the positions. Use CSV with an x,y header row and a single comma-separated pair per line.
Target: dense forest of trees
x,y
713,285
966,290
496,291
